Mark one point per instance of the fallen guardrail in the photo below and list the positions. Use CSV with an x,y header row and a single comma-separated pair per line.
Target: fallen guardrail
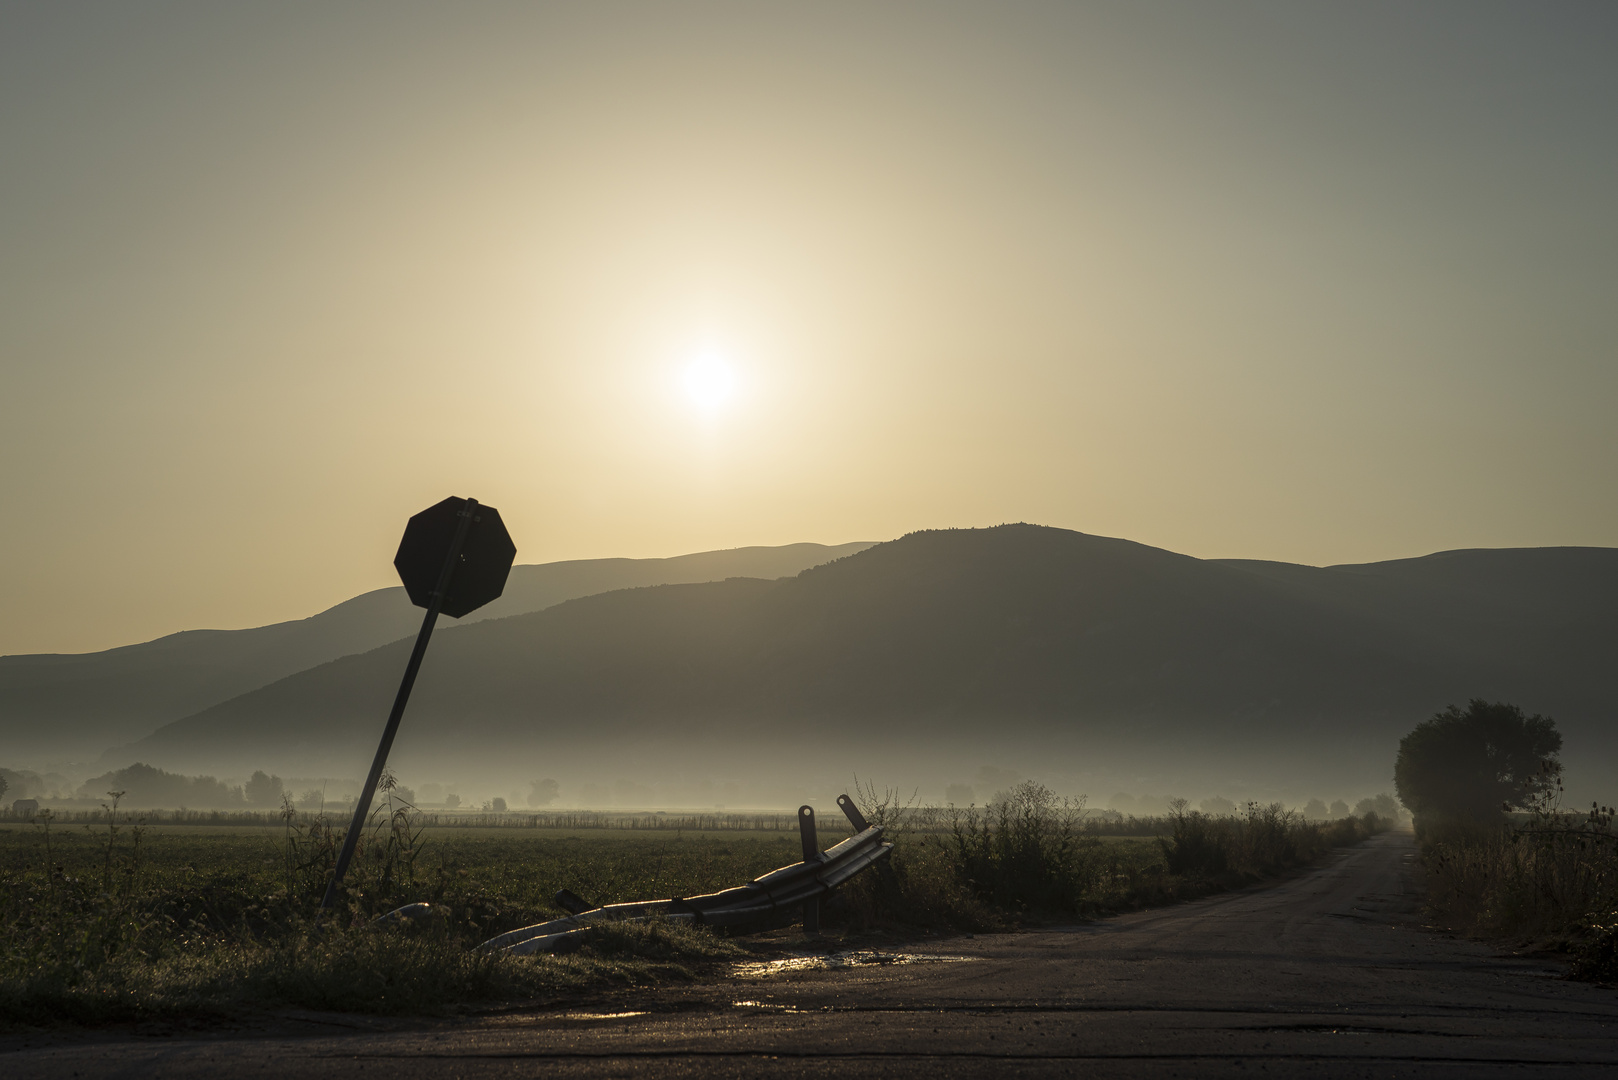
x,y
803,884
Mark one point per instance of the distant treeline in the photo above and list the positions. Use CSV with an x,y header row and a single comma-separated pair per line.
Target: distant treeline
x,y
27,784
145,785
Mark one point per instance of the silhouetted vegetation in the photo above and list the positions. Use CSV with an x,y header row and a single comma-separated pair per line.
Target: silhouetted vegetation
x,y
1030,855
1543,875
1477,764
148,786
1549,876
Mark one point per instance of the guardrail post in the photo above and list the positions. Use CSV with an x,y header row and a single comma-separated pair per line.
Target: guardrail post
x,y
811,853
852,812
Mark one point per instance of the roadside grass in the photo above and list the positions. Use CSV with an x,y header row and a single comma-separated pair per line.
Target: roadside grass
x,y
106,921
1030,856
366,970
1548,878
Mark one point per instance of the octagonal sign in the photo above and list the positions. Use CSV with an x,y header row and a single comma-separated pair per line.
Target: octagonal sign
x,y
480,570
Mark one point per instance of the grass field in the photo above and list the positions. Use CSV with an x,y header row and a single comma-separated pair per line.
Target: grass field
x,y
112,919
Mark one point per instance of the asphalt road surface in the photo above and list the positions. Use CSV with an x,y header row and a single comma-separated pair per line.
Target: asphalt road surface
x,y
1329,975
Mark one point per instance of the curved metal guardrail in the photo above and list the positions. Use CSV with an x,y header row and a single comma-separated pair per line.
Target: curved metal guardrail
x,y
801,884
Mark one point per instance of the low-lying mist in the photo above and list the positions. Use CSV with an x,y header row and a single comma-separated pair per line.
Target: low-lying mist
x,y
762,774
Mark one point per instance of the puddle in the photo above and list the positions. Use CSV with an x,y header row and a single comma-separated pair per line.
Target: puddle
x,y
603,1016
835,961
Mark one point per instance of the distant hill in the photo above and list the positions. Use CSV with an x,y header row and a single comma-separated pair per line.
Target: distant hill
x,y
59,706
1055,641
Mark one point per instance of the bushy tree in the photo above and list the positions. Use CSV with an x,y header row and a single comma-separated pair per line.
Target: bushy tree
x,y
263,790
1477,763
146,786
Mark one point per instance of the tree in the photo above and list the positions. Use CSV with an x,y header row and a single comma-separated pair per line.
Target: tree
x,y
1478,763
262,790
543,792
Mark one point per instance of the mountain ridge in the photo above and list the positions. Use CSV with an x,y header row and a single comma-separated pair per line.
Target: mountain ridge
x,y
1018,633
84,702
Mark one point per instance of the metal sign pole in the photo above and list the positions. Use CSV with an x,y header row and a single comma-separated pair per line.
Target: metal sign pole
x,y
364,808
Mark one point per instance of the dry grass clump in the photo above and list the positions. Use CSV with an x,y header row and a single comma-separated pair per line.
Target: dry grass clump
x,y
1261,841
1030,855
1550,877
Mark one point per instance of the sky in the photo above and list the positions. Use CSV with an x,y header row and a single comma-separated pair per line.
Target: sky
x,y
1304,281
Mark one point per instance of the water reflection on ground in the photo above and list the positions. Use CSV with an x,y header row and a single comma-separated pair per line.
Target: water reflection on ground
x,y
832,961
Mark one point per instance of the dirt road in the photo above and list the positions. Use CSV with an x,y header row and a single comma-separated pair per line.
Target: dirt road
x,y
1326,975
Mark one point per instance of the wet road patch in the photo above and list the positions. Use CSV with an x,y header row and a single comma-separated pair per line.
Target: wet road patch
x,y
760,969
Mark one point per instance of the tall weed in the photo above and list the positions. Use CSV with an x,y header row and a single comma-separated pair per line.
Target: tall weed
x,y
1549,875
1025,852
1030,855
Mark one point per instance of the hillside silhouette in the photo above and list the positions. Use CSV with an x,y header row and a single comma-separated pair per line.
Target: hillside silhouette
x,y
971,637
66,705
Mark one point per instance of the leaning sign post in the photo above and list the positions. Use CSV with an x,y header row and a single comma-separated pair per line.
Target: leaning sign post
x,y
454,558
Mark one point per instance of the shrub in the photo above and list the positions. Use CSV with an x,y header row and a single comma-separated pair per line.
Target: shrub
x,y
1024,851
1553,874
1197,845
1597,958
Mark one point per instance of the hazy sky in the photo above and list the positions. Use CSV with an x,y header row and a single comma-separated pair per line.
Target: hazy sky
x,y
1315,282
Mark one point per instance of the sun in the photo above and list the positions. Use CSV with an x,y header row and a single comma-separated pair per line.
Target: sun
x,y
709,381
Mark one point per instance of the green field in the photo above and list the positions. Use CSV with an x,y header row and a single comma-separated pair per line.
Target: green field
x,y
523,868
101,921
